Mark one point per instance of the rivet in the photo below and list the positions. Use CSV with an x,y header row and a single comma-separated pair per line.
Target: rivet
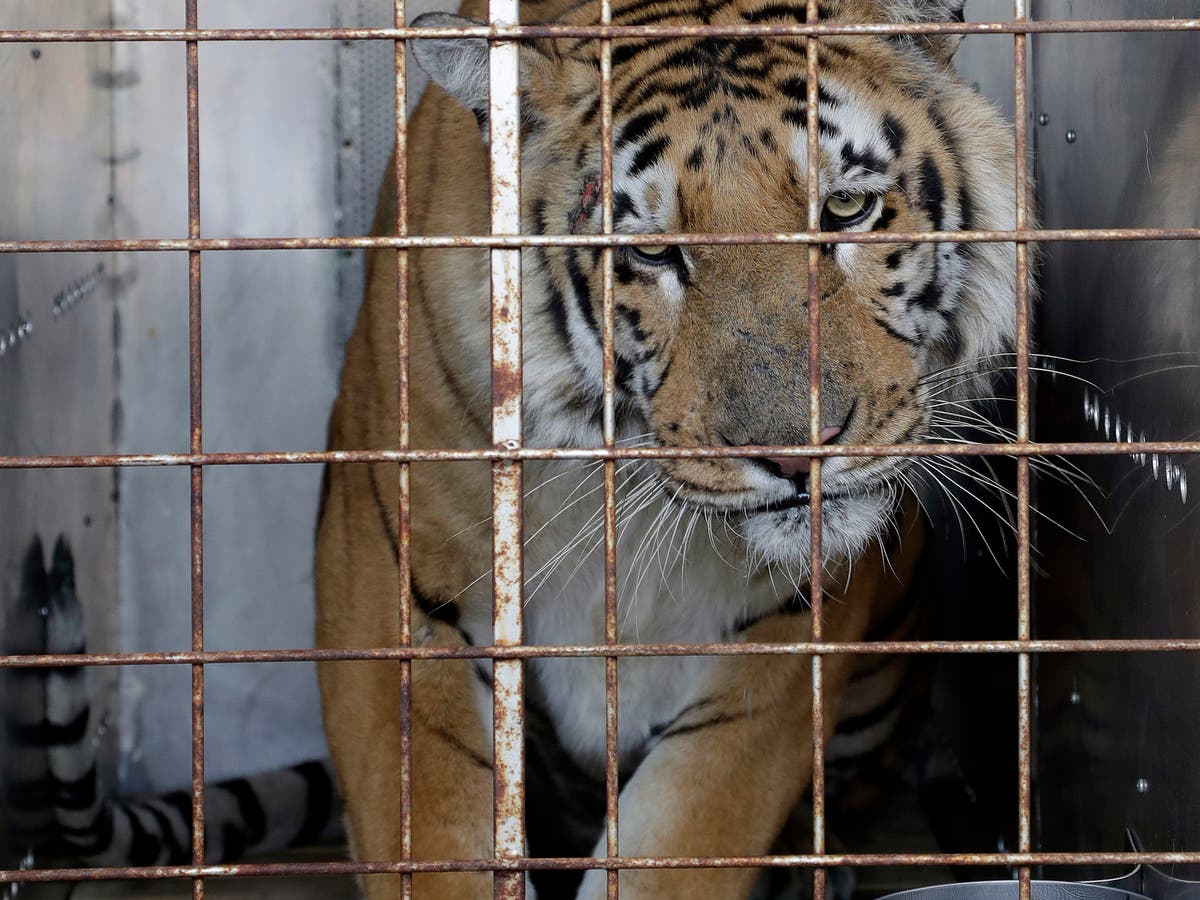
x,y
1044,119
1183,486
1143,785
1071,136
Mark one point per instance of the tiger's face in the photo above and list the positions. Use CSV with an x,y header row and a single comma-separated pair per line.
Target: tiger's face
x,y
712,341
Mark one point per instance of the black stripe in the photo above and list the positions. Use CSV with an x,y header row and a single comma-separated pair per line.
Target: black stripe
x,y
443,363
318,807
181,802
894,133
384,518
324,495
249,809
77,794
461,747
648,155
639,126
233,842
143,848
886,326
49,734
556,304
930,297
932,196
177,854
776,11
878,713
885,219
583,294
864,158
694,706
719,719
623,206
98,835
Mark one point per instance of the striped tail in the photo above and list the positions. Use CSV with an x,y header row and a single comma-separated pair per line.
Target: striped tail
x,y
54,804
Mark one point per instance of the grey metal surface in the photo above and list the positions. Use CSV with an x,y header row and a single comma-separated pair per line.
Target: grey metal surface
x,y
57,379
271,357
1008,890
1118,737
295,137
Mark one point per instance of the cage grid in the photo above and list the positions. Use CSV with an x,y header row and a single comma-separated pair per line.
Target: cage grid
x,y
505,242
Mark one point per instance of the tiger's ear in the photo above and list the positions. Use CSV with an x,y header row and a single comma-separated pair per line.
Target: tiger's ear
x,y
458,65
941,47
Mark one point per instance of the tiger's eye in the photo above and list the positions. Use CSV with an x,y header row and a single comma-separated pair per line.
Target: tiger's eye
x,y
849,209
656,254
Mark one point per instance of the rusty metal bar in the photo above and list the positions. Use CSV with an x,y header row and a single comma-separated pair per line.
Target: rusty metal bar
x,y
570,863
196,444
507,454
404,438
1024,692
576,651
529,32
508,704
512,241
813,223
612,747
825,451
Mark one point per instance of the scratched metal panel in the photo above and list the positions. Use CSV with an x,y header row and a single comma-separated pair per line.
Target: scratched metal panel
x,y
270,365
1119,145
294,140
57,378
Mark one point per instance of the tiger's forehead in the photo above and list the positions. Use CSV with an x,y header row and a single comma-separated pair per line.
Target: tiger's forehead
x,y
711,131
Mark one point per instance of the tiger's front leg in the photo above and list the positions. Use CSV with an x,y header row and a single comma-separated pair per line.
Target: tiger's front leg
x,y
451,773
725,775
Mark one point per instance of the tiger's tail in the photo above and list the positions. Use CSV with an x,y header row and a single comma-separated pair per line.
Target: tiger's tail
x,y
56,804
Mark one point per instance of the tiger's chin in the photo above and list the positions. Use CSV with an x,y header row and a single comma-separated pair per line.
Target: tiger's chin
x,y
850,521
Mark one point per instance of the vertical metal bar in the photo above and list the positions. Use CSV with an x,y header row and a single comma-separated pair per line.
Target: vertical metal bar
x,y
1024,687
814,438
196,443
611,744
403,441
507,559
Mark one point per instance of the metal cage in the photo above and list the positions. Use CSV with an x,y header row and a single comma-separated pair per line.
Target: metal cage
x,y
507,454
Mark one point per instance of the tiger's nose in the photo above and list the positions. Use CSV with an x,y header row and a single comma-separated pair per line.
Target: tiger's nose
x,y
791,466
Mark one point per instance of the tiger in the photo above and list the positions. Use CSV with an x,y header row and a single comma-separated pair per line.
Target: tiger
x,y
711,348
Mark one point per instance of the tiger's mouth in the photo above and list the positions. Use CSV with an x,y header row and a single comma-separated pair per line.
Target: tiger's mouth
x,y
751,505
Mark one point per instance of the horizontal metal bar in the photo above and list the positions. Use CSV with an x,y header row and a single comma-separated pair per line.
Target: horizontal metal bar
x,y
518,864
807,648
514,241
529,32
310,457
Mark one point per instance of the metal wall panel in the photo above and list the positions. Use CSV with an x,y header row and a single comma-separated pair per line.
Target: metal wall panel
x,y
57,373
294,140
1119,144
295,137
